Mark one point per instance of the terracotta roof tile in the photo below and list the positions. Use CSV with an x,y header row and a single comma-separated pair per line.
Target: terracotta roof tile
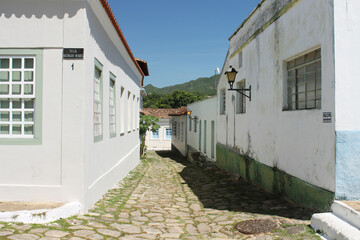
x,y
113,20
179,112
164,112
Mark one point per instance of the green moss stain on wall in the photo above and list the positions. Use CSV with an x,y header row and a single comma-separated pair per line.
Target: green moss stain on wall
x,y
273,180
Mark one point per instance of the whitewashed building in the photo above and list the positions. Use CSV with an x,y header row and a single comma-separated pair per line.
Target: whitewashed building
x,y
299,135
161,139
179,133
201,130
69,101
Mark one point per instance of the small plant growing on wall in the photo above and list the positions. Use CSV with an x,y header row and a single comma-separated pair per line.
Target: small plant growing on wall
x,y
147,123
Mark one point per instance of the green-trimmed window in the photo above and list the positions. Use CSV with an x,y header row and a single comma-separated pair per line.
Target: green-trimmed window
x,y
190,123
133,113
122,110
20,96
112,106
222,101
98,102
200,135
212,139
138,113
205,135
129,104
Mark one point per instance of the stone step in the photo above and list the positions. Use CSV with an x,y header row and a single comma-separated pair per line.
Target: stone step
x,y
347,213
334,227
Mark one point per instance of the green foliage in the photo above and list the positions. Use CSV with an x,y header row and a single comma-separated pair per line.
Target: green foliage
x,y
173,100
205,86
147,123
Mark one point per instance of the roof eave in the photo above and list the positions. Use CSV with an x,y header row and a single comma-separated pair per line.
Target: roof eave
x,y
113,20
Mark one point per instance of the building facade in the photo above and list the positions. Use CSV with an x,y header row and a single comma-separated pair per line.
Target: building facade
x,y
161,139
297,135
201,129
179,132
69,99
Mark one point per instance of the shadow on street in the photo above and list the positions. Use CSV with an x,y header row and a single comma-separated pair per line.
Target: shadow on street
x,y
216,189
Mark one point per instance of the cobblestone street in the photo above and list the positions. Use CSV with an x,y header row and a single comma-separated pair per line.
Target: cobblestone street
x,y
166,197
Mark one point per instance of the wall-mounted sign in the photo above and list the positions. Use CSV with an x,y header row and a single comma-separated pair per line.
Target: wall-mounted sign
x,y
326,117
73,53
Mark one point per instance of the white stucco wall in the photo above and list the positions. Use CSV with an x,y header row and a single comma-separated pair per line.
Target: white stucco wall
x,y
162,143
204,110
297,142
108,161
68,165
179,140
35,172
347,33
347,50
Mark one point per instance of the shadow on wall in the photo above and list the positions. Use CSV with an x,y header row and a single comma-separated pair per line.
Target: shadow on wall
x,y
36,8
218,190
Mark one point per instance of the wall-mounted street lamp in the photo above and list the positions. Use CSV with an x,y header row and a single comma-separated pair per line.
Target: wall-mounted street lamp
x,y
190,117
231,74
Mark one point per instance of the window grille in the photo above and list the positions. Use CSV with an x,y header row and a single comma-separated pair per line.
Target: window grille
x,y
304,82
17,96
97,103
168,133
240,99
222,102
112,108
155,135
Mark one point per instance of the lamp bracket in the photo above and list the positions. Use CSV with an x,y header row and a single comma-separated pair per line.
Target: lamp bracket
x,y
242,90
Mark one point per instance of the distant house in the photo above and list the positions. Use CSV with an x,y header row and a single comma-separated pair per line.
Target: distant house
x,y
299,134
179,126
201,129
161,139
69,101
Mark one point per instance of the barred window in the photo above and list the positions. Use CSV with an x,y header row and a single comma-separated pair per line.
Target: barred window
x,y
112,107
190,123
98,101
122,110
155,135
179,130
182,131
129,107
240,99
174,127
168,133
304,82
17,96
222,101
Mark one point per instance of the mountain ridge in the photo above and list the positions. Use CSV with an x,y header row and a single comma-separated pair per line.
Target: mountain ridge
x,y
202,86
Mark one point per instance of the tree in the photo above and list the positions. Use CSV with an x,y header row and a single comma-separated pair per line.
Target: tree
x,y
152,100
176,99
179,98
147,123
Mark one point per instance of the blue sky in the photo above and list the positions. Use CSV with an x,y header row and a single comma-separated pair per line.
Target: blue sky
x,y
181,40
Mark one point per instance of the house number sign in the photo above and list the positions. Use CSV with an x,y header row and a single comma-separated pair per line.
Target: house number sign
x,y
326,117
73,53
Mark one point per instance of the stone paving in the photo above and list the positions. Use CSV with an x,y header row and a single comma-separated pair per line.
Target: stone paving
x,y
166,197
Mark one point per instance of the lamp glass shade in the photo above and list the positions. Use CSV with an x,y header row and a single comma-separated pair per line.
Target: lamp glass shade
x,y
189,113
231,76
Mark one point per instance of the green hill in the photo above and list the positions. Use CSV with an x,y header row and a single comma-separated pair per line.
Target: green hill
x,y
203,86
